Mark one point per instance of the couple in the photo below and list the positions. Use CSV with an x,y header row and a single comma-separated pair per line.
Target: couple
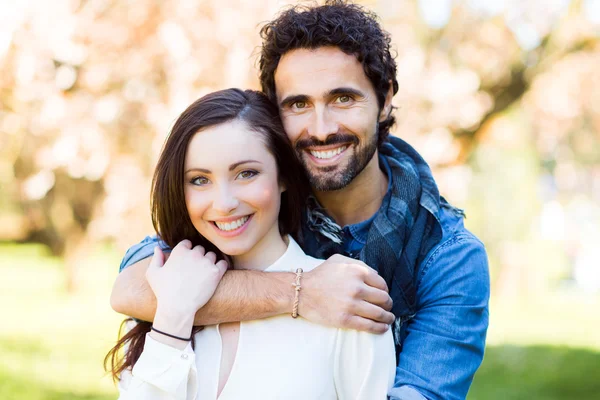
x,y
228,194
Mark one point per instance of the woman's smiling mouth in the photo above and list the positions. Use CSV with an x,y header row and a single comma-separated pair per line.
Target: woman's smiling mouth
x,y
232,227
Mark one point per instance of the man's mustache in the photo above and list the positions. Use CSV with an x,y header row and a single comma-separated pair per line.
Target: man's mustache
x,y
333,139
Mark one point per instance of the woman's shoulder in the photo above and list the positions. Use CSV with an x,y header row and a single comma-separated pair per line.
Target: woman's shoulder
x,y
375,347
303,260
309,263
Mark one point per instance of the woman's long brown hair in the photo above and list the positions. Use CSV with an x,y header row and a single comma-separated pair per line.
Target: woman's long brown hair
x,y
169,213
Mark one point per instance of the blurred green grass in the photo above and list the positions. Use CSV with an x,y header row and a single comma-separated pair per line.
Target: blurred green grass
x,y
52,343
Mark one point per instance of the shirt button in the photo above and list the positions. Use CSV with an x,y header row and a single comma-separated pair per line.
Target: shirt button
x,y
184,356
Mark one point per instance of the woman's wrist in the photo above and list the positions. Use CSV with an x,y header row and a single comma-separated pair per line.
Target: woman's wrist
x,y
174,323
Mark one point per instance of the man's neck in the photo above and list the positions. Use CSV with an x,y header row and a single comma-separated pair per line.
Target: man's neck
x,y
360,199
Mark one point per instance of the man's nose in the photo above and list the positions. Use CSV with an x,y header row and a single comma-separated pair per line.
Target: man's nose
x,y
225,200
323,124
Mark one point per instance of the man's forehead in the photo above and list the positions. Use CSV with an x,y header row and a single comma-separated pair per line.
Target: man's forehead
x,y
316,71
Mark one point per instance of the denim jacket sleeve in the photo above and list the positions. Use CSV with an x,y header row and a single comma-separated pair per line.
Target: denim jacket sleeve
x,y
446,338
143,249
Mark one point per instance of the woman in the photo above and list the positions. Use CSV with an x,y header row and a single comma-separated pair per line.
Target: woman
x,y
228,190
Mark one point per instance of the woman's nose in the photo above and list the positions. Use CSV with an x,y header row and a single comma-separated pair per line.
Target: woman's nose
x,y
225,201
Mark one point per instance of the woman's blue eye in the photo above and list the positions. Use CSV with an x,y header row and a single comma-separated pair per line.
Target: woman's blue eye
x,y
199,181
247,174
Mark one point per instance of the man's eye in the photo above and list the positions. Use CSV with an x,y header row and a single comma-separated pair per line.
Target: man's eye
x,y
247,174
344,99
299,105
200,181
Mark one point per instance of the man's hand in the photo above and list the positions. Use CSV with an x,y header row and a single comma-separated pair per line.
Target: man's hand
x,y
346,293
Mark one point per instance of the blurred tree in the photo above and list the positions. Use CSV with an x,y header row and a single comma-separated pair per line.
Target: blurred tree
x,y
501,97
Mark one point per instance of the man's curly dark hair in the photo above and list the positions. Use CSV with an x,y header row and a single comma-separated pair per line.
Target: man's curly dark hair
x,y
350,27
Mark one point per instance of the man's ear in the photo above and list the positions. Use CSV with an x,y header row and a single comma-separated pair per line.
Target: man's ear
x,y
387,105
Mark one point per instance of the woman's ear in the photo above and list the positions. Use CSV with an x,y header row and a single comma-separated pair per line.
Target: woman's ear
x,y
282,187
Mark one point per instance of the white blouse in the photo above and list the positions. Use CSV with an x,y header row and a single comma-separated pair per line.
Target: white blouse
x,y
277,358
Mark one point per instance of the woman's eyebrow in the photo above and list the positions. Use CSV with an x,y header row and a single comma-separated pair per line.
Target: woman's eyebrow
x,y
203,170
231,167
237,164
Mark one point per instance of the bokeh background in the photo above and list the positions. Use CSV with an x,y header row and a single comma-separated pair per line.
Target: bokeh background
x,y
502,98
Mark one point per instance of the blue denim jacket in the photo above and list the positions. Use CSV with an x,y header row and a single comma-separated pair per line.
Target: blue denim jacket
x,y
422,271
444,341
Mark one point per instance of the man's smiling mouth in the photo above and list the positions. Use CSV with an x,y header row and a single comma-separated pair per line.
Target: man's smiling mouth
x,y
327,154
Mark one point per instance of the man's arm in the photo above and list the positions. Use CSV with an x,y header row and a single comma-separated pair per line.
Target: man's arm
x,y
341,292
241,296
446,338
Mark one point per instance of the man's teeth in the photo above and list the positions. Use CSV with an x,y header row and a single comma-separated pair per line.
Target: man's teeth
x,y
229,226
328,153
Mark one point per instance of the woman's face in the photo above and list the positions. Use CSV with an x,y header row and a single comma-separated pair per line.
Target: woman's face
x,y
232,190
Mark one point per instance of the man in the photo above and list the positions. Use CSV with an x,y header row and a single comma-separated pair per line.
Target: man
x,y
330,71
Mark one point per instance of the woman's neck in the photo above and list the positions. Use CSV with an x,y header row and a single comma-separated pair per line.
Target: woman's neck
x,y
264,253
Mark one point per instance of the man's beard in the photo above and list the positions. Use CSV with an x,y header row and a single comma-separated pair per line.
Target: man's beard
x,y
335,177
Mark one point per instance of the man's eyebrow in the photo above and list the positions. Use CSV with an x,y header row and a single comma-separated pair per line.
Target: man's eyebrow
x,y
345,91
333,92
293,99
231,167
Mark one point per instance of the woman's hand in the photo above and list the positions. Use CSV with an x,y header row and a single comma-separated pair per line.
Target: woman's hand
x,y
187,280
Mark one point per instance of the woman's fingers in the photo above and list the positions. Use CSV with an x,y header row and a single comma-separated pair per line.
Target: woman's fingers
x,y
199,249
222,266
184,243
212,257
158,258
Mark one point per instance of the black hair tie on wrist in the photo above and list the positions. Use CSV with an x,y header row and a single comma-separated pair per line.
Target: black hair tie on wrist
x,y
171,336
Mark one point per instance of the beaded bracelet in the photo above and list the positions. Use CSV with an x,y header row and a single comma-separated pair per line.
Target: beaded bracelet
x,y
297,288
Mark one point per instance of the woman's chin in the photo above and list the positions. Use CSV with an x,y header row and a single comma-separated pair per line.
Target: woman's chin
x,y
232,249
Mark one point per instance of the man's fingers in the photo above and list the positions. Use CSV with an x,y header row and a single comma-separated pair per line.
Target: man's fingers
x,y
372,278
375,313
365,325
377,297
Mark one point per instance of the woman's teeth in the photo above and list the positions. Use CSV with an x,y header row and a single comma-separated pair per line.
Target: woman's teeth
x,y
230,226
328,153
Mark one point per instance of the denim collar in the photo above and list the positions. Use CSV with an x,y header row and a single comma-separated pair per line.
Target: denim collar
x,y
360,230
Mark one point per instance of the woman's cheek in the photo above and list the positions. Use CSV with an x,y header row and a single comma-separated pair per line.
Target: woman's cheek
x,y
268,197
195,203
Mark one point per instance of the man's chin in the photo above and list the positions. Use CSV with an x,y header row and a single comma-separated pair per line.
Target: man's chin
x,y
328,177
328,182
